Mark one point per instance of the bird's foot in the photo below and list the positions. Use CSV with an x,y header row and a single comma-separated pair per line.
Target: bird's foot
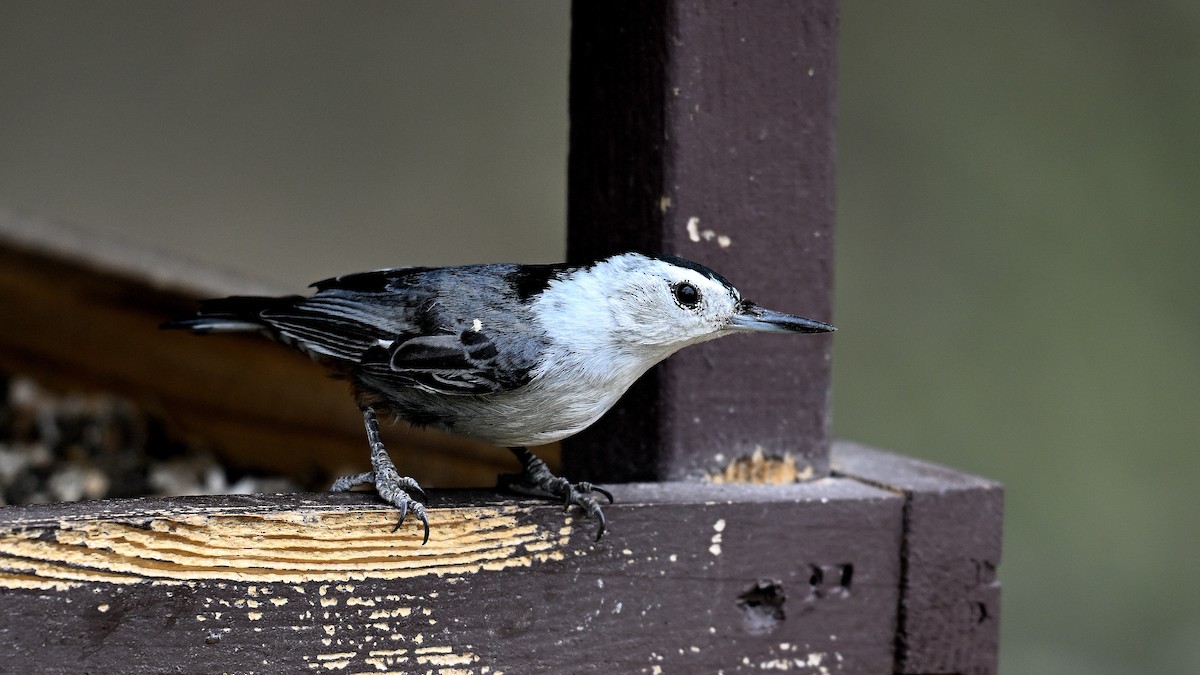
x,y
395,489
537,479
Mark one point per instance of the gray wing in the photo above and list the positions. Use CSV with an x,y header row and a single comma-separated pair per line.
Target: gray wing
x,y
467,363
418,327
352,314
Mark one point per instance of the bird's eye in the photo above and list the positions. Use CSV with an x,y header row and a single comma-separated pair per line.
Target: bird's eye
x,y
686,295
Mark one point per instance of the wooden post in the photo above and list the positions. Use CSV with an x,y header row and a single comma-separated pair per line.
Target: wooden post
x,y
706,129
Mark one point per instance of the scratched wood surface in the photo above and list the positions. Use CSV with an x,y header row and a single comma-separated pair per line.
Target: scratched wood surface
x,y
690,578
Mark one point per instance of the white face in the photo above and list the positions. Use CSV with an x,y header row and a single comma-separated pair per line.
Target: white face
x,y
660,304
611,321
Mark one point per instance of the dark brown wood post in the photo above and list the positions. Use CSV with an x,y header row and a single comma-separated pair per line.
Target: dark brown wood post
x,y
706,129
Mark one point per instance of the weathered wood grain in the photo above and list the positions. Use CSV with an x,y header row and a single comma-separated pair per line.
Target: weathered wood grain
x,y
690,578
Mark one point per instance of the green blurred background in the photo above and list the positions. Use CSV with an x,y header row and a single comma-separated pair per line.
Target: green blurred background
x,y
1019,191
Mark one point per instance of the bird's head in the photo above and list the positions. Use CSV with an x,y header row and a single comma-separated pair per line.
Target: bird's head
x,y
657,305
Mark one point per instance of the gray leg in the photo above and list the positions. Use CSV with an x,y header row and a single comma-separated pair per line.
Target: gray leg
x,y
394,488
537,479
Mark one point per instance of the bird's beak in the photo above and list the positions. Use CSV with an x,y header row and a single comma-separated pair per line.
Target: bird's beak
x,y
751,317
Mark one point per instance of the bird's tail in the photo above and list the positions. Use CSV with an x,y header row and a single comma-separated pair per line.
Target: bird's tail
x,y
239,313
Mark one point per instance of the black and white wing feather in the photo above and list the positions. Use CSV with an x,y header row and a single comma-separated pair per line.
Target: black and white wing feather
x,y
467,363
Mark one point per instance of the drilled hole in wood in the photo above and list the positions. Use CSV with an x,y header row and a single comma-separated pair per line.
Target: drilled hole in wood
x,y
816,577
826,581
762,606
981,612
847,576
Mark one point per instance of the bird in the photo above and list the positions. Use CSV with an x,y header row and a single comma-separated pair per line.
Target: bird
x,y
516,355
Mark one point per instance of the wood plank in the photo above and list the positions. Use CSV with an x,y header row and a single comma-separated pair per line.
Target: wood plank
x,y
706,129
949,616
690,578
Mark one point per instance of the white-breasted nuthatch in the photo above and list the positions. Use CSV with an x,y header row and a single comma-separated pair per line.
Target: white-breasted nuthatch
x,y
515,355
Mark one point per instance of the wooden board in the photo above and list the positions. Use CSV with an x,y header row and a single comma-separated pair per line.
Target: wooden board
x,y
690,578
949,616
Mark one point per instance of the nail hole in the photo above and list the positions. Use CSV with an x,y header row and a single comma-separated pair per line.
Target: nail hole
x,y
816,576
847,575
829,581
762,606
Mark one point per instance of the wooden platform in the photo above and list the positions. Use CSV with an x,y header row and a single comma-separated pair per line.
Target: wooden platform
x,y
844,574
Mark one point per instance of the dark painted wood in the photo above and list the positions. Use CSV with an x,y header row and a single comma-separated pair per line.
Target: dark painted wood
x,y
690,578
949,615
706,129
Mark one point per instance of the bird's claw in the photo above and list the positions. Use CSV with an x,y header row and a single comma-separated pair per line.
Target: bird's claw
x,y
537,480
579,494
585,487
419,510
397,490
420,492
591,507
